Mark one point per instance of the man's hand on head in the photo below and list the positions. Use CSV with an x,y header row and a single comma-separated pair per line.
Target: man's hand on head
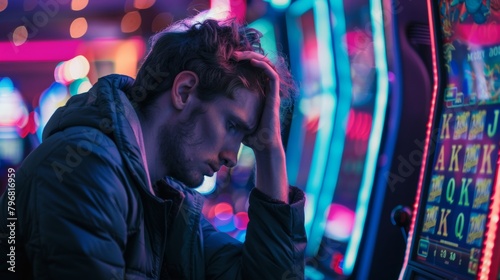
x,y
267,137
266,140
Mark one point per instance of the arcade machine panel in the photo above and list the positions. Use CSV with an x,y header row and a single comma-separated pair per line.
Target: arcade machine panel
x,y
454,234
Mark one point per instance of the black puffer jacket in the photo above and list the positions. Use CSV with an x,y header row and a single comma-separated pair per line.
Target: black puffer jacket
x,y
85,209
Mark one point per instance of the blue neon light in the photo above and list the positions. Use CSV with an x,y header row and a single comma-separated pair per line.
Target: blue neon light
x,y
268,41
328,100
279,4
336,148
296,135
375,137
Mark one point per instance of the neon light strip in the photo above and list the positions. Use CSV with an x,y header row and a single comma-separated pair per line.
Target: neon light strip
x,y
269,40
427,139
327,113
489,242
279,4
337,143
391,130
40,50
375,137
327,110
296,135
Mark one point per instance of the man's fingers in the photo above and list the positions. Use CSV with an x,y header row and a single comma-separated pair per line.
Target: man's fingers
x,y
247,55
257,60
267,66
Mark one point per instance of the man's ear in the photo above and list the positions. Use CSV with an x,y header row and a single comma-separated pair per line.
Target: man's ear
x,y
184,88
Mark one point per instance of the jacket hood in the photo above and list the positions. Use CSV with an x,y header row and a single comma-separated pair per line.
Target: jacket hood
x,y
106,108
97,108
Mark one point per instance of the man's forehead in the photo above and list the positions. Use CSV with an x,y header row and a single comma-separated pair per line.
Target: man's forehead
x,y
247,107
244,95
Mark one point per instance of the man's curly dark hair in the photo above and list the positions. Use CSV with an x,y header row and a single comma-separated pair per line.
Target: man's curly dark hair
x,y
206,48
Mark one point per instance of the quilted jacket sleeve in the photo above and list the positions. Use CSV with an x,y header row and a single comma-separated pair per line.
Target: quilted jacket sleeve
x,y
72,212
274,244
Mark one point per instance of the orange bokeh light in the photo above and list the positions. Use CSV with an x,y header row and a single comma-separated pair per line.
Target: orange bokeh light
x,y
143,4
3,4
131,21
78,5
78,27
20,35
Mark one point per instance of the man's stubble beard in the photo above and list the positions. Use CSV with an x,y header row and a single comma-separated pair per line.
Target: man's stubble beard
x,y
174,140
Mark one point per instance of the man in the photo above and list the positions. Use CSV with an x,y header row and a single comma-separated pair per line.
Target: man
x,y
108,194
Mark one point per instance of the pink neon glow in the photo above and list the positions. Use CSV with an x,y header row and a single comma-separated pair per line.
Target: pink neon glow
x,y
312,123
359,125
427,139
40,50
486,269
483,34
339,222
239,9
233,8
209,212
336,263
357,41
223,211
31,125
241,220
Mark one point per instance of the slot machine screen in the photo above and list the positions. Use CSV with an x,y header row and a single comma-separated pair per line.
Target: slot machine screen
x,y
463,154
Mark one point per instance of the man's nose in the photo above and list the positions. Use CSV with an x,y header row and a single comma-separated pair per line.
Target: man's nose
x,y
229,156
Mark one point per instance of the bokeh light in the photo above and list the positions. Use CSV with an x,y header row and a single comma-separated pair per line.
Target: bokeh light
x,y
52,98
3,4
126,57
131,21
73,69
223,211
78,67
20,35
339,223
208,185
13,111
161,21
241,220
78,5
80,86
143,4
78,27
280,4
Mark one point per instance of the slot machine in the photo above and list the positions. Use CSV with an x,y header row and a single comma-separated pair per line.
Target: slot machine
x,y
454,230
382,94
